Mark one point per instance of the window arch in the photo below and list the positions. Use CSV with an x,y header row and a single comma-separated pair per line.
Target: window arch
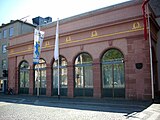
x,y
41,83
42,64
112,55
83,75
113,82
62,77
24,77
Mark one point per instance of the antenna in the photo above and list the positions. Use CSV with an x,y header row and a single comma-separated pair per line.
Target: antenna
x,y
24,18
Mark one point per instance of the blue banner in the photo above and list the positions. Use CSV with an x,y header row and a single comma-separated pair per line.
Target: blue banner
x,y
38,40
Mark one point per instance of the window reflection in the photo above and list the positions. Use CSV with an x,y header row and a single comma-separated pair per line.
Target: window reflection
x,y
62,72
42,74
83,71
113,69
24,78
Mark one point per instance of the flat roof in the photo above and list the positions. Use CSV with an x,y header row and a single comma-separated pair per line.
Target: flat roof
x,y
14,21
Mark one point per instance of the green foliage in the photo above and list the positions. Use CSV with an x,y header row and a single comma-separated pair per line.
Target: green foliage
x,y
112,54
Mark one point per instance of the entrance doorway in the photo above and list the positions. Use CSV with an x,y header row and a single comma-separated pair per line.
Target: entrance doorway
x,y
83,75
113,74
62,77
24,78
3,85
40,77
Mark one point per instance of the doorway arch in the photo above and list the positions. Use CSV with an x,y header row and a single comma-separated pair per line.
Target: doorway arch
x,y
42,77
62,77
113,80
24,78
83,75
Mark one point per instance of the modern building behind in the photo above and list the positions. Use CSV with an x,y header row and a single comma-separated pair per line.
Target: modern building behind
x,y
41,21
7,32
103,53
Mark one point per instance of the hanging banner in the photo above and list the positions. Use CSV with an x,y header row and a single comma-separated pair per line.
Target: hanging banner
x,y
56,49
38,40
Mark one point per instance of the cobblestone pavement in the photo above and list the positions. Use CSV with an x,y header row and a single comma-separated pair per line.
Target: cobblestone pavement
x,y
150,113
43,108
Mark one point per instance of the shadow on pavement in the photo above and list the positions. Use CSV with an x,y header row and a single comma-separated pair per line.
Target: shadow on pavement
x,y
103,105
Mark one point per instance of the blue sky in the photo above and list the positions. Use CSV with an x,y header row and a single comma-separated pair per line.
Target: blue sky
x,y
17,9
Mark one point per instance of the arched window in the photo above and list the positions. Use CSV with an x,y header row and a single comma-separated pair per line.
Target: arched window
x,y
40,77
62,76
113,74
24,78
83,75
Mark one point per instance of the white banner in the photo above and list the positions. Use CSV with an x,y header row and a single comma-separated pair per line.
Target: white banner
x,y
38,40
56,49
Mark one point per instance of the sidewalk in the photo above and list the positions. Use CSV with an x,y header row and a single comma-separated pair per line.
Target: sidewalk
x,y
134,109
80,100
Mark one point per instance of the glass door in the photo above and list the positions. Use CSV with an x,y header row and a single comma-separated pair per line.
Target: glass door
x,y
24,78
40,78
62,77
83,75
118,80
1,85
42,82
113,80
113,74
24,82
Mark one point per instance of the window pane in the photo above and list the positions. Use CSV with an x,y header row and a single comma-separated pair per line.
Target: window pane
x,y
119,76
79,77
27,79
107,76
83,71
43,79
24,65
36,78
112,54
0,35
83,58
24,75
42,74
1,85
88,77
5,34
55,78
62,72
21,79
84,77
62,62
63,77
3,64
11,30
4,48
42,64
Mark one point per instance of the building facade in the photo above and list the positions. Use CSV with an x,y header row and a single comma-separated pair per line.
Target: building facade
x,y
102,54
8,31
155,4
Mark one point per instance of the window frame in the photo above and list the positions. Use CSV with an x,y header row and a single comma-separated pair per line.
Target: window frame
x,y
11,31
81,63
0,35
63,73
4,50
4,64
5,33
